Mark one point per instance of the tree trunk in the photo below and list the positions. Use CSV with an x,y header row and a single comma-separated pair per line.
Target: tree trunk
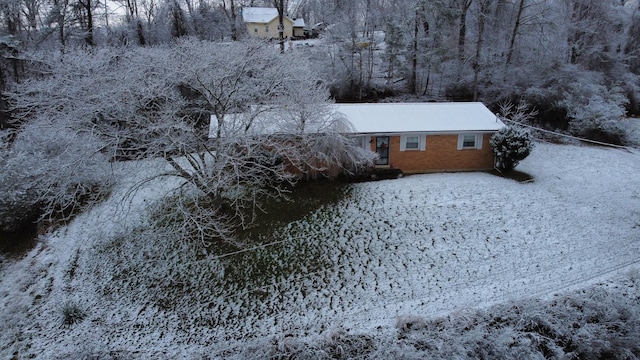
x,y
133,18
280,6
234,29
106,16
140,31
12,19
61,9
132,10
484,5
179,26
369,34
85,5
413,79
189,7
462,31
32,9
89,38
426,30
516,27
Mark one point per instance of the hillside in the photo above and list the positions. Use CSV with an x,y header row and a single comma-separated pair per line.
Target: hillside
x,y
387,253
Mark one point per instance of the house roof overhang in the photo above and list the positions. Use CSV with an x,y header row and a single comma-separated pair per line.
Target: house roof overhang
x,y
424,118
389,119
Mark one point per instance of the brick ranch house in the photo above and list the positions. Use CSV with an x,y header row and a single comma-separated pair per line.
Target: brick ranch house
x,y
425,137
410,138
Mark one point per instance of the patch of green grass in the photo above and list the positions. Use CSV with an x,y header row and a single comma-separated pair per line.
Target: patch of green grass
x,y
519,176
303,199
18,243
72,313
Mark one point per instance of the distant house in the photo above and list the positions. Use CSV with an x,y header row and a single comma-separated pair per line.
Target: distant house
x,y
425,137
263,22
298,28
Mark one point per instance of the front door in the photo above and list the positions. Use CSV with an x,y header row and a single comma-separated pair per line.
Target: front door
x,y
382,148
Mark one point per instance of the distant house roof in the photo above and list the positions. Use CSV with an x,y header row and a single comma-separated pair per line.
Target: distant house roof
x,y
259,14
299,23
419,117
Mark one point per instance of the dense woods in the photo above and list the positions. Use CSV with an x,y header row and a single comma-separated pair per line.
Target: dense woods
x,y
565,57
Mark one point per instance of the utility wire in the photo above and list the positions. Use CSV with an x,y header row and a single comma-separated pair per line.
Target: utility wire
x,y
569,136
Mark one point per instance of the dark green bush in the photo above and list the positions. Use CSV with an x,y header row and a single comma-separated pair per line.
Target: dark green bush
x,y
510,146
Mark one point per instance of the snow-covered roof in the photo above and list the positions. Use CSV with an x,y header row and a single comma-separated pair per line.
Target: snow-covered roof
x,y
420,117
380,118
299,22
259,14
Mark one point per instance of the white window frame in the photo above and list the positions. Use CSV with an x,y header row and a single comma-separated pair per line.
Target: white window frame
x,y
477,142
364,141
422,142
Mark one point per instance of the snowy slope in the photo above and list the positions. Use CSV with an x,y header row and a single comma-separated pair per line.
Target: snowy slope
x,y
426,244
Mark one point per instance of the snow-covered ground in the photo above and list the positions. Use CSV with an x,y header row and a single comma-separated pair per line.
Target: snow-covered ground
x,y
425,245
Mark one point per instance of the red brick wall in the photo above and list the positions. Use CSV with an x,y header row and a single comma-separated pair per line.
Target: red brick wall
x,y
442,154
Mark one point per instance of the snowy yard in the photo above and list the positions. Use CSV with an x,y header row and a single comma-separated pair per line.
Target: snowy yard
x,y
424,245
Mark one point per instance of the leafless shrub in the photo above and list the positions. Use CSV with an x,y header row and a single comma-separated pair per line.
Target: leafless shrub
x,y
410,322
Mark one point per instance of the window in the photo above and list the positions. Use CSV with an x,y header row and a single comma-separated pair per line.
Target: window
x,y
255,29
363,142
469,141
266,28
412,142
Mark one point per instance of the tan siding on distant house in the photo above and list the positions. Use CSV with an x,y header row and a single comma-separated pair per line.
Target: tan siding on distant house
x,y
441,154
298,31
259,29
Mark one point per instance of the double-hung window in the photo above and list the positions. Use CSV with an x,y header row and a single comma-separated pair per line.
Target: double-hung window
x,y
413,142
469,141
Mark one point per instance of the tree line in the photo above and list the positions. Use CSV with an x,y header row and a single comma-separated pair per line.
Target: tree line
x,y
556,55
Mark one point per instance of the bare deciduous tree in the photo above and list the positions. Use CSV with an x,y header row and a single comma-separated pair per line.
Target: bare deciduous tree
x,y
272,121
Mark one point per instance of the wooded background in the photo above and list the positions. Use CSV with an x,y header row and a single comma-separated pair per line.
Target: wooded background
x,y
557,55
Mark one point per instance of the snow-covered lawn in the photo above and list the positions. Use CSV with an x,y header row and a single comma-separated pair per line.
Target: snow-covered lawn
x,y
424,245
